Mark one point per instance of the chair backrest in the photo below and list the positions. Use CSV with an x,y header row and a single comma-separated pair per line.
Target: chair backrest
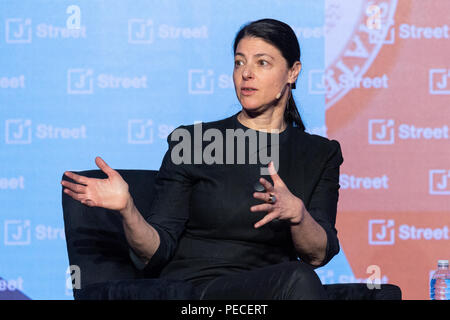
x,y
95,238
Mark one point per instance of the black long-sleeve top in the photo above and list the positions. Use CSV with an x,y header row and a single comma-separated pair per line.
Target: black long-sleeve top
x,y
202,211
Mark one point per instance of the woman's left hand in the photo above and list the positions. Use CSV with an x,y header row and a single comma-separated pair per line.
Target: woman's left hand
x,y
286,206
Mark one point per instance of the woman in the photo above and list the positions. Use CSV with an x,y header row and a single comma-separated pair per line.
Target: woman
x,y
222,227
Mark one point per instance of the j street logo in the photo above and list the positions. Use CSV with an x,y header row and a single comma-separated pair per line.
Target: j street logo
x,y
201,81
144,31
204,81
83,81
145,131
384,132
439,81
20,131
383,232
439,182
381,131
368,25
20,233
317,83
140,131
20,31
17,232
140,31
80,81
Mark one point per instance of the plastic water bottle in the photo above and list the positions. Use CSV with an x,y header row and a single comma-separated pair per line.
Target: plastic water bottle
x,y
440,282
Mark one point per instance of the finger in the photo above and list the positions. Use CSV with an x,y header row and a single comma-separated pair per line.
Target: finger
x,y
264,196
74,195
76,177
88,202
104,166
266,184
77,188
273,174
269,217
262,207
260,195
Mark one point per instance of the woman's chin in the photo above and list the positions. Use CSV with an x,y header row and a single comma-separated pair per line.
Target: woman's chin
x,y
250,106
254,109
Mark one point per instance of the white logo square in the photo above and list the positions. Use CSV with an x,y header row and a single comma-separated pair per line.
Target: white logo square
x,y
17,232
18,30
18,131
439,182
376,36
381,131
439,81
316,82
140,131
80,81
201,81
140,31
381,232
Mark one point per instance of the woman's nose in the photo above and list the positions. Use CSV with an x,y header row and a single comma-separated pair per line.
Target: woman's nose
x,y
247,73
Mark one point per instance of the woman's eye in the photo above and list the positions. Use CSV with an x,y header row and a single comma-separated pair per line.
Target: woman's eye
x,y
238,63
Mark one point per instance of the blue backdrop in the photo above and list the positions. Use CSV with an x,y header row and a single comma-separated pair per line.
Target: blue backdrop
x,y
115,86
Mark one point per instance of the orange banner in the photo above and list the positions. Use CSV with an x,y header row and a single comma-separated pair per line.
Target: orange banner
x,y
388,100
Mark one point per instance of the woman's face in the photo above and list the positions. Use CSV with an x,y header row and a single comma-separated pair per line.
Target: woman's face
x,y
260,74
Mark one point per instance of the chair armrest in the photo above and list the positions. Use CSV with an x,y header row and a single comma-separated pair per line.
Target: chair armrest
x,y
360,291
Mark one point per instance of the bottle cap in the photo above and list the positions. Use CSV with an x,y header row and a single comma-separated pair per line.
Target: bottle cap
x,y
440,262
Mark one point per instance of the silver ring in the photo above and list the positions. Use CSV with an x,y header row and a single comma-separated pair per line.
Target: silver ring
x,y
272,199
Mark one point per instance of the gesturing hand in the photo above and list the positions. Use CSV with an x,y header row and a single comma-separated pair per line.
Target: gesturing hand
x,y
286,206
110,193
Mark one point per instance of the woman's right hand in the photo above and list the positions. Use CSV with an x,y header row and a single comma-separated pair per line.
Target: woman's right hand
x,y
110,193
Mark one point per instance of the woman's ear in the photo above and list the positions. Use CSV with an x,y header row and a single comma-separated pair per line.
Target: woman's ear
x,y
294,72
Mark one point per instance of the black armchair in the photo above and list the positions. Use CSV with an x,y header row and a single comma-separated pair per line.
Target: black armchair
x,y
96,244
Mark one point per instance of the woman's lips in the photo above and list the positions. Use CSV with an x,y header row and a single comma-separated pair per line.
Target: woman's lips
x,y
248,91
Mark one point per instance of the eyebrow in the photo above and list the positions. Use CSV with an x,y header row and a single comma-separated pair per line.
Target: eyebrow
x,y
256,55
